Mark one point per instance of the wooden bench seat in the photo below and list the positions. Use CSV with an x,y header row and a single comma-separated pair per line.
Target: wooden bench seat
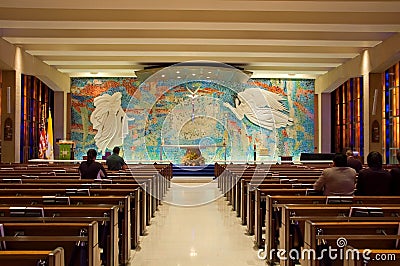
x,y
275,204
247,189
234,179
130,207
256,206
236,187
32,257
363,235
150,184
224,173
146,200
153,193
157,177
135,171
77,214
296,215
28,236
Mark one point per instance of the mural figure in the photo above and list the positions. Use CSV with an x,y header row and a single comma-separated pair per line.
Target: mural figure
x,y
110,121
262,108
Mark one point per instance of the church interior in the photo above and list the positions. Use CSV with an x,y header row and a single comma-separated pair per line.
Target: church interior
x,y
226,113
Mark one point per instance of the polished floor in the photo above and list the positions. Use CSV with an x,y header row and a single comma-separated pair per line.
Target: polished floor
x,y
195,226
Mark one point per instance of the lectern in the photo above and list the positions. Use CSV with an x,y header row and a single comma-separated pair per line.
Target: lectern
x,y
66,148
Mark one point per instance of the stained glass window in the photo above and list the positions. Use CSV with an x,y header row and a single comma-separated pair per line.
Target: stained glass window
x,y
35,96
347,101
391,114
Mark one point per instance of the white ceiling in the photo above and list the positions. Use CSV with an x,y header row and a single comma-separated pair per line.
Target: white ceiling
x,y
270,38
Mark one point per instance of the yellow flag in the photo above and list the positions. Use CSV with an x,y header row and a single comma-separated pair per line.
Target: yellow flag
x,y
50,149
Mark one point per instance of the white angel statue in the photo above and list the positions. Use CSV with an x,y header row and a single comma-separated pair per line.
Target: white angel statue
x,y
262,108
110,121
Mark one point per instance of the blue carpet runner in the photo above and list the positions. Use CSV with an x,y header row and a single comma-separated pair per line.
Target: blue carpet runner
x,y
203,170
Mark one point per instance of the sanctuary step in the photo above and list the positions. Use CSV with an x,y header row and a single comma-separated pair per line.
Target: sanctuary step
x,y
202,170
193,179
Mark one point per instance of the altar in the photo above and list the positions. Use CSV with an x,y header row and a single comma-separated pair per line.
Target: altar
x,y
193,155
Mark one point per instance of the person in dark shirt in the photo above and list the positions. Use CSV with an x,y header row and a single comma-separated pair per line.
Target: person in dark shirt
x,y
353,162
395,172
115,162
90,169
374,181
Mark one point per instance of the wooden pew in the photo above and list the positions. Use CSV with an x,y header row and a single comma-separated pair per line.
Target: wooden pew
x,y
243,195
236,178
232,171
230,174
158,174
363,235
32,257
20,236
100,214
276,203
137,172
68,185
377,257
130,205
256,207
144,183
219,169
236,190
79,192
158,185
294,173
230,179
163,168
296,215
153,194
71,180
124,203
244,200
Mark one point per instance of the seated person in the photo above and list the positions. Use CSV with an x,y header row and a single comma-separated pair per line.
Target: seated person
x,y
374,181
116,162
90,169
395,172
353,162
337,180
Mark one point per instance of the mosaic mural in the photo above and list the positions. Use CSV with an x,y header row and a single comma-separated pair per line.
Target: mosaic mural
x,y
165,117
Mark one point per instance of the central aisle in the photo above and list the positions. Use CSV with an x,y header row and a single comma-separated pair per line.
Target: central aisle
x,y
205,235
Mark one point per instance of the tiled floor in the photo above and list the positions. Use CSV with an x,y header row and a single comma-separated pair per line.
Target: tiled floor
x,y
205,235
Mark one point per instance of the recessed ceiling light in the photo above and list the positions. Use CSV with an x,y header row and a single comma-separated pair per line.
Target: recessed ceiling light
x,y
193,74
178,77
208,77
209,72
177,72
163,76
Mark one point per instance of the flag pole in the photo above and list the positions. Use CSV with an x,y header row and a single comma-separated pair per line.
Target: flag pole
x,y
50,142
42,135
